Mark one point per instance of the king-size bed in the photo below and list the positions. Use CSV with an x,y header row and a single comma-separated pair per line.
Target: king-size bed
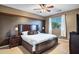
x,y
37,42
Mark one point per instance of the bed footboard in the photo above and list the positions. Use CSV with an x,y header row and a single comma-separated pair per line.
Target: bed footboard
x,y
27,46
46,45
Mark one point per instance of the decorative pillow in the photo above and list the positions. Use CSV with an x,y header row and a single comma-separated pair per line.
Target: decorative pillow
x,y
25,33
32,32
35,32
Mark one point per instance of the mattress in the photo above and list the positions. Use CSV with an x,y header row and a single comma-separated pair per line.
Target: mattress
x,y
37,38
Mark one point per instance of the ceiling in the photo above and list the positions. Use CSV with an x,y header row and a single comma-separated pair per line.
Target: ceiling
x,y
58,8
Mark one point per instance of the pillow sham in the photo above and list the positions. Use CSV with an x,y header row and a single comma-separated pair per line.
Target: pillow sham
x,y
35,32
25,33
32,32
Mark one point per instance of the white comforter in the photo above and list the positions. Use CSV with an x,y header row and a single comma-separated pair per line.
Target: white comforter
x,y
37,38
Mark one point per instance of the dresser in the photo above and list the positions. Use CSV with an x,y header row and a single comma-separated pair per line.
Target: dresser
x,y
14,41
74,43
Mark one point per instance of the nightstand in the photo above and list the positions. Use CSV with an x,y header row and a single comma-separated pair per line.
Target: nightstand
x,y
14,41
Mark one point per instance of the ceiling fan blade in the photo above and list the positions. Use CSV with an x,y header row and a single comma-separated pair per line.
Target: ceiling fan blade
x,y
50,6
36,9
43,6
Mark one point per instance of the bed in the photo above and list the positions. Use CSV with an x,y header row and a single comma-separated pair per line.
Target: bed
x,y
39,42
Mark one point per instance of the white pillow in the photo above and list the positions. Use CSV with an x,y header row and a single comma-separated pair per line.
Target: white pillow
x,y
25,33
38,32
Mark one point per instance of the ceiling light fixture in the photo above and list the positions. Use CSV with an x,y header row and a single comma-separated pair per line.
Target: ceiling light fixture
x,y
45,7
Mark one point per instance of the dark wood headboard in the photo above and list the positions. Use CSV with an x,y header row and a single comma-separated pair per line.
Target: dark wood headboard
x,y
25,27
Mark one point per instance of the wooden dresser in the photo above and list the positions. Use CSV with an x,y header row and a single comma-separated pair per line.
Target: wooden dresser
x,y
14,41
74,43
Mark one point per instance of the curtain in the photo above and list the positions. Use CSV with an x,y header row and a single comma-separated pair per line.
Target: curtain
x,y
50,26
63,26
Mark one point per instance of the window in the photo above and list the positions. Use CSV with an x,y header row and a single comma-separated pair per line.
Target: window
x,y
57,25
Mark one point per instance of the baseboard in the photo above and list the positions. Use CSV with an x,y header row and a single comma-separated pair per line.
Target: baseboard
x,y
5,46
62,37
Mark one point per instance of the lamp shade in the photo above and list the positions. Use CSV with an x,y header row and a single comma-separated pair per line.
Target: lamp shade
x,y
16,28
42,27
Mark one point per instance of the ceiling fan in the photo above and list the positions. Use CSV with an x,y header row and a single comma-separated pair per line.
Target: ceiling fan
x,y
44,8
